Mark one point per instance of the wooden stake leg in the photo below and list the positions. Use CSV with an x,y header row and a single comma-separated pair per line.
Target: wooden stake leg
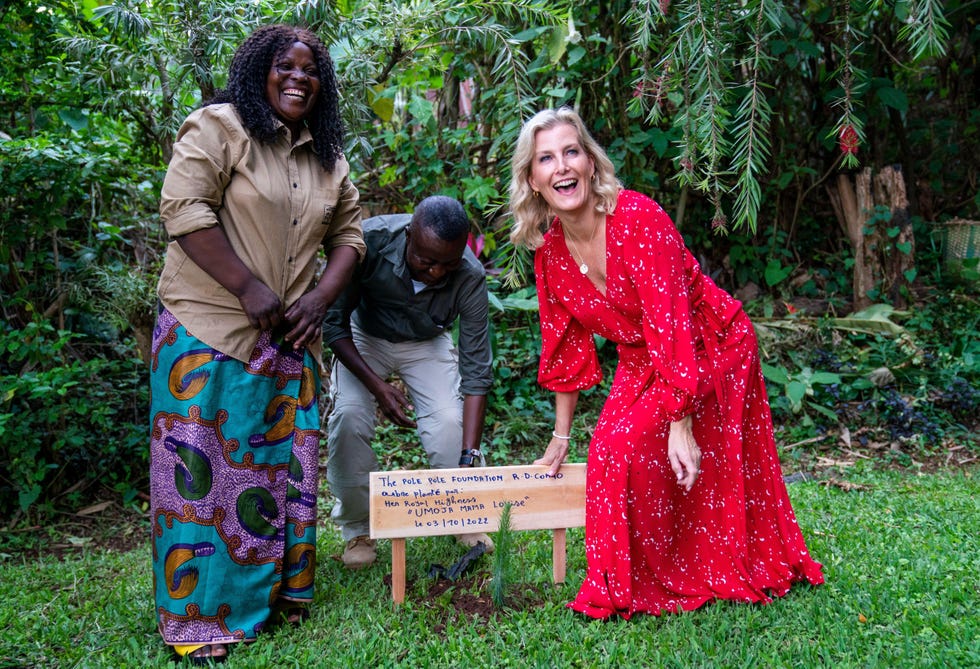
x,y
558,556
398,570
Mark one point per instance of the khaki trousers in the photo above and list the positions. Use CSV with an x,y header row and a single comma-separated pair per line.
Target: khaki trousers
x,y
430,372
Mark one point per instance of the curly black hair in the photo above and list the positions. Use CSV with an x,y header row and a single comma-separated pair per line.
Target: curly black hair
x,y
247,82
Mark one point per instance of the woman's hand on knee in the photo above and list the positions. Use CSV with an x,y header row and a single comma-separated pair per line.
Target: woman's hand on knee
x,y
683,452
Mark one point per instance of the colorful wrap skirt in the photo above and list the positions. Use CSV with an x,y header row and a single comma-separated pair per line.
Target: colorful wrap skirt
x,y
233,482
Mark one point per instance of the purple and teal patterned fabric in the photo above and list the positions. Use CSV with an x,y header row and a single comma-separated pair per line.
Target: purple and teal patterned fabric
x,y
233,480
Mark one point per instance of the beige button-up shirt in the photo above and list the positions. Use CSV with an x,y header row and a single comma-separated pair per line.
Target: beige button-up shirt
x,y
275,203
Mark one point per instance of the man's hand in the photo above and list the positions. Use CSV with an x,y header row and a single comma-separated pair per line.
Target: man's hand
x,y
393,404
391,400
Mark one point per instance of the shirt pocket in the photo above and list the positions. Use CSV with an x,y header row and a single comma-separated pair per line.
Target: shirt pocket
x,y
322,206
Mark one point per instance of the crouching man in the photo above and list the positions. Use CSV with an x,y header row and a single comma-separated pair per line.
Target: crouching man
x,y
396,316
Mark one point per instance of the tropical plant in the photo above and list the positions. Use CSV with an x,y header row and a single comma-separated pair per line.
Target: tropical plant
x,y
150,63
70,424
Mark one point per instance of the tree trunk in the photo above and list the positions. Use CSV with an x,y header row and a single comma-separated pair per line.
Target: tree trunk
x,y
898,249
144,341
851,202
883,245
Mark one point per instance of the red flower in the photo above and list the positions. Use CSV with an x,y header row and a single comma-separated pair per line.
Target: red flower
x,y
653,89
475,244
848,140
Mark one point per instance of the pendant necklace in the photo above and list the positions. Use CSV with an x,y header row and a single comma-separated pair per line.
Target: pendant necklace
x,y
583,267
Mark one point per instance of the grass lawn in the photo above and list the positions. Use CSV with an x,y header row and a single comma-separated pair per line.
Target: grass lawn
x,y
901,554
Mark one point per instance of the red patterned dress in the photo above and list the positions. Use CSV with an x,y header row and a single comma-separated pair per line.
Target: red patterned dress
x,y
685,347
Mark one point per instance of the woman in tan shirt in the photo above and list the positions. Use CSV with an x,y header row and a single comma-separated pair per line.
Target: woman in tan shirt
x,y
257,185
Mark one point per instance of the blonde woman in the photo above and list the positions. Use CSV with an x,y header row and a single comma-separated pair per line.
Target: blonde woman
x,y
685,500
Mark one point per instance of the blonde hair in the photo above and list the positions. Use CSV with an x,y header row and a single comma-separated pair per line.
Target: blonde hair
x,y
531,213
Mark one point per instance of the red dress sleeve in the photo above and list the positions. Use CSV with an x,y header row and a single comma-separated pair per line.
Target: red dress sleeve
x,y
569,361
662,270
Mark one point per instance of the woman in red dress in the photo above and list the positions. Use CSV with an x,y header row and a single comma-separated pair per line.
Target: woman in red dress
x,y
685,500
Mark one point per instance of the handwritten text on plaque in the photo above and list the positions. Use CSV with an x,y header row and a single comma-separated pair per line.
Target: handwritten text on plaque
x,y
412,503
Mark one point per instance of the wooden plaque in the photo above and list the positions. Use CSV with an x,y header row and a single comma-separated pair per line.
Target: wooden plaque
x,y
415,503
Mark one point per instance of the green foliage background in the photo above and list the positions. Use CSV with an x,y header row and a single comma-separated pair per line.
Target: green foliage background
x,y
728,113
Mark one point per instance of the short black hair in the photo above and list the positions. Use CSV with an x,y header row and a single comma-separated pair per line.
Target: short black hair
x,y
443,215
247,81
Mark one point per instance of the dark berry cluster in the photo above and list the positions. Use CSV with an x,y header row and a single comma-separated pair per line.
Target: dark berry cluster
x,y
904,419
961,400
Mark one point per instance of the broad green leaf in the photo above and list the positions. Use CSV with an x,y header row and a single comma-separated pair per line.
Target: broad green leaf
x,y
520,304
823,410
530,33
776,272
75,119
659,141
795,391
894,98
382,105
825,378
558,44
28,496
575,54
872,320
775,374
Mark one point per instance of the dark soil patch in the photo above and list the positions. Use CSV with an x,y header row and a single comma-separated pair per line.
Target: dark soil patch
x,y
105,526
470,596
830,455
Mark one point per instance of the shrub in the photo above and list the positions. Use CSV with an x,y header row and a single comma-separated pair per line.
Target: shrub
x,y
68,424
